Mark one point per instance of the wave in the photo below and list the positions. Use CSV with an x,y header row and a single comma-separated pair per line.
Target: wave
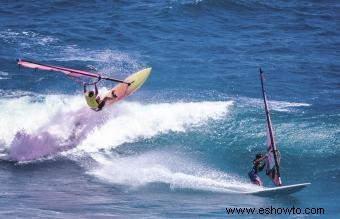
x,y
59,125
34,128
129,122
37,127
43,127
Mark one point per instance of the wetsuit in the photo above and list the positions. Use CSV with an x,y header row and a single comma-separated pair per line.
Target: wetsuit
x,y
257,167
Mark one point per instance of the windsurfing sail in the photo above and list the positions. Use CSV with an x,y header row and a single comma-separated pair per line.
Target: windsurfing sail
x,y
66,71
273,156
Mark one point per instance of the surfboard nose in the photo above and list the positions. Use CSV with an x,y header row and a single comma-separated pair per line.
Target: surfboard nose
x,y
147,71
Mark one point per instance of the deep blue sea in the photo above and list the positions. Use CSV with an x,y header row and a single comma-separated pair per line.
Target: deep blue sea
x,y
181,146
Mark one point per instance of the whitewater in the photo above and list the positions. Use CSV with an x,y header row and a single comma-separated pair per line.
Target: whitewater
x,y
65,128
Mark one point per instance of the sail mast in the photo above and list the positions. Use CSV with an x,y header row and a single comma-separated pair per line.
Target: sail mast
x,y
270,130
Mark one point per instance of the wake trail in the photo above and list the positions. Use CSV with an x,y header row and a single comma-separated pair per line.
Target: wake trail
x,y
165,167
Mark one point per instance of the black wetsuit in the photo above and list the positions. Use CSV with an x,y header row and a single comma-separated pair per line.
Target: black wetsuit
x,y
257,167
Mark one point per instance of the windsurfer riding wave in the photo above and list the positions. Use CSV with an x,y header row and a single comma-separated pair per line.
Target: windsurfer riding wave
x,y
93,99
270,161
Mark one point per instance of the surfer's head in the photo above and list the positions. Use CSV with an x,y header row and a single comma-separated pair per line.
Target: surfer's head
x,y
258,156
91,93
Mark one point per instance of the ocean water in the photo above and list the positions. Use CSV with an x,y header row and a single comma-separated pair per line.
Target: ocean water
x,y
182,145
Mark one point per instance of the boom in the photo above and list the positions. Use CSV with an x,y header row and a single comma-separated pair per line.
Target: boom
x,y
66,71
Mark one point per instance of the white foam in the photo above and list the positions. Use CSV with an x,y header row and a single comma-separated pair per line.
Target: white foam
x,y
26,39
14,93
130,121
4,75
281,106
108,62
185,2
30,114
121,123
164,167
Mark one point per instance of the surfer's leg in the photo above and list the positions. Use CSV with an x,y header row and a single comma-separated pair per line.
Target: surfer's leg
x,y
254,178
102,103
258,181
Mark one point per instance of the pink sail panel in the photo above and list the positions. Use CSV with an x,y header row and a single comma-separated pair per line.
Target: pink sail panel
x,y
273,157
67,71
271,169
268,139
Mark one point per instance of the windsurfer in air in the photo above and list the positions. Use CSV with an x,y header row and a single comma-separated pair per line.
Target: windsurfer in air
x,y
92,98
258,166
119,92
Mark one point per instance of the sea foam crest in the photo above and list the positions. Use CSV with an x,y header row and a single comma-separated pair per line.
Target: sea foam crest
x,y
63,122
129,121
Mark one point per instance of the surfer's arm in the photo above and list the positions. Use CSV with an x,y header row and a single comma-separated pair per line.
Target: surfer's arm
x,y
95,85
260,159
95,89
84,84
